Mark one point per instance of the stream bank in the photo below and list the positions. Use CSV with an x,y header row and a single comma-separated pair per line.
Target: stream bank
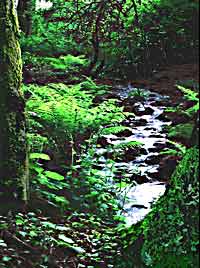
x,y
145,174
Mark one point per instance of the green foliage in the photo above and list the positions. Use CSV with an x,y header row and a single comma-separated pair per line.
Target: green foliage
x,y
181,131
97,193
131,38
126,38
171,229
48,183
39,156
89,85
72,238
137,92
113,130
190,95
192,84
179,150
63,63
42,68
66,113
128,144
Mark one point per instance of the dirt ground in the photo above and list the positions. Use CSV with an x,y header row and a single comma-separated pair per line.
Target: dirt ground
x,y
165,80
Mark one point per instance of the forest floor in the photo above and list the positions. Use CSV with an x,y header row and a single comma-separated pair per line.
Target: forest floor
x,y
165,80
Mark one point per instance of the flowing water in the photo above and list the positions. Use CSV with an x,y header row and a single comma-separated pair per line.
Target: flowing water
x,y
146,127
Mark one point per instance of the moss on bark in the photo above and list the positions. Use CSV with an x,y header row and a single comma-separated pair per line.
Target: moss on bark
x,y
13,146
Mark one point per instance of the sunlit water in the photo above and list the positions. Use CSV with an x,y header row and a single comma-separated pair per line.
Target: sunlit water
x,y
140,199
136,199
40,4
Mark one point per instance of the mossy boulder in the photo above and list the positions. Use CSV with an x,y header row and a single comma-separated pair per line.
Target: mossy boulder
x,y
171,229
181,132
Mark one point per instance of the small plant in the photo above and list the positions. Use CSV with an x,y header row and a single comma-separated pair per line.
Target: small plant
x,y
137,92
191,96
48,182
179,150
128,144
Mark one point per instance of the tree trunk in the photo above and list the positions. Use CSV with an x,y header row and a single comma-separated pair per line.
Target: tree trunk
x,y
95,37
13,144
25,9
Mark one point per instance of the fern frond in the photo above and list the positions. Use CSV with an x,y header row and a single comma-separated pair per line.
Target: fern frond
x,y
188,93
130,144
114,130
179,150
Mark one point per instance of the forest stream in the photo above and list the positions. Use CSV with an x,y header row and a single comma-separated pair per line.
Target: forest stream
x,y
145,184
99,134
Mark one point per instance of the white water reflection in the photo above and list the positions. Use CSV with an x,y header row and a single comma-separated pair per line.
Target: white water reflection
x,y
139,200
40,4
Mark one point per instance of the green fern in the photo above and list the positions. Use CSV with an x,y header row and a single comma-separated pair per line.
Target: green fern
x,y
191,96
130,144
188,93
63,63
179,150
65,112
92,87
114,130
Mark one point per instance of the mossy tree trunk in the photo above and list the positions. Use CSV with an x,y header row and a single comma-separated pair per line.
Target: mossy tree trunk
x,y
13,144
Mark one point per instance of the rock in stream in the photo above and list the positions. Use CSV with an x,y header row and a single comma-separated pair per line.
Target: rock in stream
x,y
140,170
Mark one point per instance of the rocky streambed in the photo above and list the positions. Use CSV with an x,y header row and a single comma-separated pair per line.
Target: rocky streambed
x,y
139,171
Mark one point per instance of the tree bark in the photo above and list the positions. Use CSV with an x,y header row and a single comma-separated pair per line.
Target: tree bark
x,y
13,144
25,9
95,37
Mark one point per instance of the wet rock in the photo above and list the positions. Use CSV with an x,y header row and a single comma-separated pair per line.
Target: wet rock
x,y
153,150
129,109
161,102
126,123
163,117
153,160
139,206
150,129
100,98
149,110
160,145
168,166
153,95
131,153
143,151
158,136
134,99
103,141
154,175
146,111
98,167
141,122
125,133
177,118
186,105
139,178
